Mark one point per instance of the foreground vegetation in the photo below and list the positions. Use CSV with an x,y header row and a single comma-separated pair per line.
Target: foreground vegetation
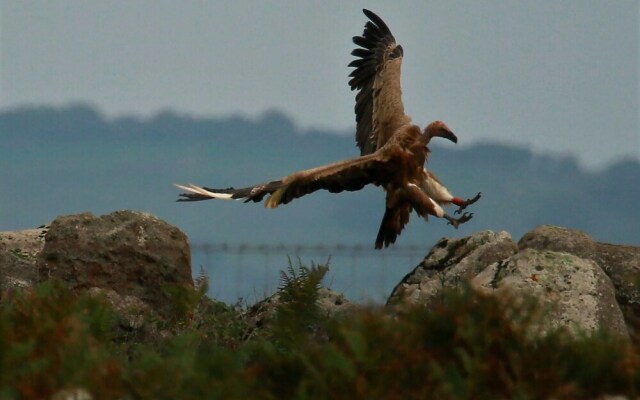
x,y
469,347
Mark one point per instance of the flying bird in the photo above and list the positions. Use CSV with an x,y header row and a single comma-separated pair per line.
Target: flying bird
x,y
393,151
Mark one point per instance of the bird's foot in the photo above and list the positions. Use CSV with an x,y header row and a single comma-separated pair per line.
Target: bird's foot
x,y
456,222
462,204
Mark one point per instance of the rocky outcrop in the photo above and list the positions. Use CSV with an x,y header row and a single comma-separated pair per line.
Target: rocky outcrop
x,y
576,277
131,260
330,303
127,252
450,262
575,290
621,263
18,253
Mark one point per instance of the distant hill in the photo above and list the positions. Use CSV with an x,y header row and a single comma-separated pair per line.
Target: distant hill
x,y
68,160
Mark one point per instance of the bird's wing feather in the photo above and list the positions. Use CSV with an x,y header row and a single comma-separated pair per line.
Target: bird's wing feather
x,y
349,175
379,108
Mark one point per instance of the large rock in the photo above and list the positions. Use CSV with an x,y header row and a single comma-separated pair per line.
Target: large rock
x,y
621,263
131,253
564,269
18,253
556,238
575,290
450,262
330,303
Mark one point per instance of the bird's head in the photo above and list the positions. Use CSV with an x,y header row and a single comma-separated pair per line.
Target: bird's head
x,y
439,129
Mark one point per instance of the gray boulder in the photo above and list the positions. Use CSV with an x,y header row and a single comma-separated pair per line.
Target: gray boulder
x,y
556,238
330,303
131,253
575,290
562,268
450,262
621,263
18,253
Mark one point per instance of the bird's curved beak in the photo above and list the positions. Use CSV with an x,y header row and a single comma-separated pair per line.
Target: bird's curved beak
x,y
447,134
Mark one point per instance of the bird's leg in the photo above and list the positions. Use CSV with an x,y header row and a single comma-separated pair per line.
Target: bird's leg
x,y
456,222
462,204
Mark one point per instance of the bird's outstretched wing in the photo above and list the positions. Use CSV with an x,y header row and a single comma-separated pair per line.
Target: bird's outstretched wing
x,y
349,175
379,109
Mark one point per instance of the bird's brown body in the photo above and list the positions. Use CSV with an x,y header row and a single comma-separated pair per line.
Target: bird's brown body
x,y
393,150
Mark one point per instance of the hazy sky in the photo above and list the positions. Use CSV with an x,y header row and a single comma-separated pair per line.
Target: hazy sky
x,y
560,75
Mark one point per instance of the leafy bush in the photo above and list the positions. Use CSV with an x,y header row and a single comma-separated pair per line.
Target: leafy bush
x,y
471,346
50,338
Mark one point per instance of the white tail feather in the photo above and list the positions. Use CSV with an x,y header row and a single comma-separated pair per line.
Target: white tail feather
x,y
198,190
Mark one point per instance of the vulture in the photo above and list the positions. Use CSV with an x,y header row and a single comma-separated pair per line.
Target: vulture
x,y
393,151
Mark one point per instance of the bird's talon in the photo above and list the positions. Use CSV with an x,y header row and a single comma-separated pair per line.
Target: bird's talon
x,y
467,203
456,222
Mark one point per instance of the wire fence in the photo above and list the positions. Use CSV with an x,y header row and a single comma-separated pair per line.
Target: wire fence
x,y
249,272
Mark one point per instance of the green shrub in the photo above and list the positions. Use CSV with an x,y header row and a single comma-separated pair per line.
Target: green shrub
x,y
51,339
470,346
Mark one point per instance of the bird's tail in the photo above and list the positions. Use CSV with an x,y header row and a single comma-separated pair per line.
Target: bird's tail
x,y
392,224
252,193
